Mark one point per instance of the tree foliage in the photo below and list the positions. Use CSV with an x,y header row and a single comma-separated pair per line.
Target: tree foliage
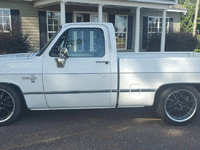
x,y
187,20
14,42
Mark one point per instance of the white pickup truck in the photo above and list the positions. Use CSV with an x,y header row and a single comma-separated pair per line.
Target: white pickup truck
x,y
79,69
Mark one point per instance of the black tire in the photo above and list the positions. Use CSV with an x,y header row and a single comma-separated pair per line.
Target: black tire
x,y
10,105
179,105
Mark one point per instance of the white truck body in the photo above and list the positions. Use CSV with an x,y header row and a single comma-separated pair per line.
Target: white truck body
x,y
110,81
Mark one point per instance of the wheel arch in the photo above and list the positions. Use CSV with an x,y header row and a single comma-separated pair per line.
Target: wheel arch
x,y
163,87
19,91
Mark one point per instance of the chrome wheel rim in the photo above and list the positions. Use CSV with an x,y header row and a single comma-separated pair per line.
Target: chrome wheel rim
x,y
7,105
181,105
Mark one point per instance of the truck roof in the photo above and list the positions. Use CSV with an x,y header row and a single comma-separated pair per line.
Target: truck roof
x,y
87,23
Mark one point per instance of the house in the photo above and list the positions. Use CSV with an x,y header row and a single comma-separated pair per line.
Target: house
x,y
134,20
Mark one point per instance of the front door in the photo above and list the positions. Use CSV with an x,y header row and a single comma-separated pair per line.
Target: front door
x,y
84,80
89,17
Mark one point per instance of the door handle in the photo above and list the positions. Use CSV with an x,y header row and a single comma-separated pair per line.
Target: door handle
x,y
106,62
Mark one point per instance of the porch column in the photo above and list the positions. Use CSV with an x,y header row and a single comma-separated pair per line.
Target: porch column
x,y
163,36
137,32
100,12
62,13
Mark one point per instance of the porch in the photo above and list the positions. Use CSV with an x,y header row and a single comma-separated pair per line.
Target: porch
x,y
128,18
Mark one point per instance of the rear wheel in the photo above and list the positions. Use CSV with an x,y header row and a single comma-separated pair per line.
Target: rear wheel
x,y
10,105
179,105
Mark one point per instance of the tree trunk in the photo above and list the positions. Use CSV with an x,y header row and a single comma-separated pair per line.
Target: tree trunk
x,y
195,18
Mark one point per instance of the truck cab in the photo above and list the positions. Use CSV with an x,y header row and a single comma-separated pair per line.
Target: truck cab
x,y
81,62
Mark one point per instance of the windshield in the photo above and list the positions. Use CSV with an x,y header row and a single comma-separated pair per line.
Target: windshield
x,y
41,51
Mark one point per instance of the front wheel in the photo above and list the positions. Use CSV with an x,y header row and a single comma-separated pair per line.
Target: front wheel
x,y
10,105
179,105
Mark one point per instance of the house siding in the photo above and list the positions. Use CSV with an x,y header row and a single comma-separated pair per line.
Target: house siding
x,y
29,19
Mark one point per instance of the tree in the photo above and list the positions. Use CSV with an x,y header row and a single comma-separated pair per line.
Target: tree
x,y
187,21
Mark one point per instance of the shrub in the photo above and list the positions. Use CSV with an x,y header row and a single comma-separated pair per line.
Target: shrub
x,y
198,46
181,41
14,42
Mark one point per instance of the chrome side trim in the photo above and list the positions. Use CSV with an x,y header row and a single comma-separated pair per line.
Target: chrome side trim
x,y
94,91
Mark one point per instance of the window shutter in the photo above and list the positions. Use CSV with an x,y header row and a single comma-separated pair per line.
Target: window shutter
x,y
43,28
145,32
15,20
112,19
68,17
171,28
86,17
130,32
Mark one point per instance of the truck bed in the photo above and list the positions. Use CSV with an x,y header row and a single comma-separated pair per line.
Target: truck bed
x,y
157,54
142,74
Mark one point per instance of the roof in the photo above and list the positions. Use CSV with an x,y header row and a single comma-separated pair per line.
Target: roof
x,y
177,8
171,2
172,7
147,1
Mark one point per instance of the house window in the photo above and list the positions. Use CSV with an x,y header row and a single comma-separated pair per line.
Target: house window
x,y
5,20
155,26
121,28
53,23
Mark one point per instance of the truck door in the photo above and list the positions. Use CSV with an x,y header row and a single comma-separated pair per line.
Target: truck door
x,y
83,79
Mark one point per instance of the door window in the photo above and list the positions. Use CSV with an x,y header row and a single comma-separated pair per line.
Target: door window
x,y
79,18
81,43
95,18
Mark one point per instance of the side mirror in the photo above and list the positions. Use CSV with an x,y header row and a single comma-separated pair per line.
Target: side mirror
x,y
64,53
60,61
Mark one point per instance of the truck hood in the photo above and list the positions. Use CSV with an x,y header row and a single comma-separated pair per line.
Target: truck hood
x,y
22,63
18,56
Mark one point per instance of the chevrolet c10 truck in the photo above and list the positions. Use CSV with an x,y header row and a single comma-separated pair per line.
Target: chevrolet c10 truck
x,y
79,68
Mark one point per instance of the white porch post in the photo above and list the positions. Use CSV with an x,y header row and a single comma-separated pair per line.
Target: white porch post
x,y
62,13
100,12
163,36
137,32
